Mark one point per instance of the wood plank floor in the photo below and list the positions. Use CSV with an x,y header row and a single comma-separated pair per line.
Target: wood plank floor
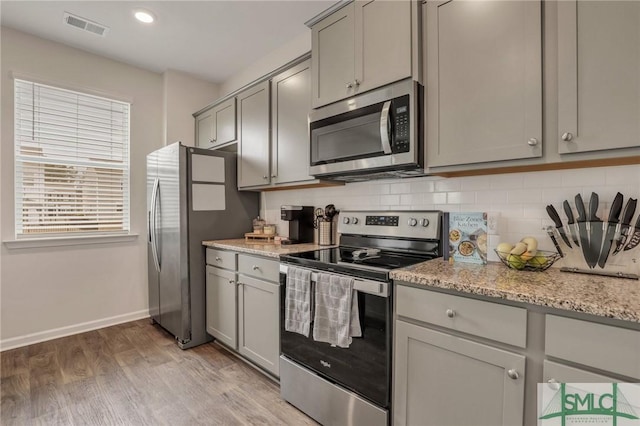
x,y
135,374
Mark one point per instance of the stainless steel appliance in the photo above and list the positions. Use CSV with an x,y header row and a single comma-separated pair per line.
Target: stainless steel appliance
x,y
191,196
374,135
353,385
300,220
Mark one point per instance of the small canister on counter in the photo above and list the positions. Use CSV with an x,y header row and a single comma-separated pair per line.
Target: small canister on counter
x,y
325,233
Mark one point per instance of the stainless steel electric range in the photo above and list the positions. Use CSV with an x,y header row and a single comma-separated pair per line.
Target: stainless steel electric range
x,y
352,385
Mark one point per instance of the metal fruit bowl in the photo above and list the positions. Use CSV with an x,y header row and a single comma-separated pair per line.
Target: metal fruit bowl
x,y
540,262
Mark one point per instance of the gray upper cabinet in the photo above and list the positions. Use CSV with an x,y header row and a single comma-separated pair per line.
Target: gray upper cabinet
x,y
483,81
291,103
598,75
217,125
253,136
361,46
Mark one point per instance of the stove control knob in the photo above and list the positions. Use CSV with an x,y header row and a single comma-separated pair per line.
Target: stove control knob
x,y
354,220
413,221
424,222
346,220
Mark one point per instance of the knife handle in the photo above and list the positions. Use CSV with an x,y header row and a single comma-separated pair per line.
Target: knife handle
x,y
553,214
593,207
568,211
582,214
629,211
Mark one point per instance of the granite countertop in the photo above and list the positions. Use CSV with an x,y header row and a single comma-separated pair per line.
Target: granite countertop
x,y
262,249
596,295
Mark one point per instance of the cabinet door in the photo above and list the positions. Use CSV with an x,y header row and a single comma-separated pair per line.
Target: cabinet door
x,y
441,380
259,322
253,145
332,55
224,122
598,75
382,42
221,306
484,81
204,130
291,104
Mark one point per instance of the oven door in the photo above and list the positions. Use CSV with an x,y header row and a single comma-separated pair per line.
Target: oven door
x,y
364,367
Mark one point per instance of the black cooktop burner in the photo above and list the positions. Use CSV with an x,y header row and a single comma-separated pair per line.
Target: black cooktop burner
x,y
360,262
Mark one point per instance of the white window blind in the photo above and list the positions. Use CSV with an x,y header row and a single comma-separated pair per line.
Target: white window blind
x,y
71,162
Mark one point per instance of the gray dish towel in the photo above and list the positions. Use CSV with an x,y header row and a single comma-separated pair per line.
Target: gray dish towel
x,y
297,314
336,317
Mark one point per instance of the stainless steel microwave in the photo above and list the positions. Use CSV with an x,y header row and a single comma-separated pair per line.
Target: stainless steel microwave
x,y
377,134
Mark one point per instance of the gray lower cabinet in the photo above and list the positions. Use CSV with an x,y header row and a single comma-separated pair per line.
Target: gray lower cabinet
x,y
258,322
222,305
217,125
253,136
441,379
243,305
483,81
598,75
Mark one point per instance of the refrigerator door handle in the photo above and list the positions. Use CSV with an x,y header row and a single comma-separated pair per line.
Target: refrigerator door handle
x,y
153,232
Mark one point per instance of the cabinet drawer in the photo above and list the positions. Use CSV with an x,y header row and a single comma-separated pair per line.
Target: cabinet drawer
x,y
493,321
221,258
601,346
259,267
554,372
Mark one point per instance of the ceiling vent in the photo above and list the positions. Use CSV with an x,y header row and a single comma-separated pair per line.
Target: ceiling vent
x,y
85,24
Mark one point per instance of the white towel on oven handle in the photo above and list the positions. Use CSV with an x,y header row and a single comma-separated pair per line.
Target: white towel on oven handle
x,y
334,320
298,301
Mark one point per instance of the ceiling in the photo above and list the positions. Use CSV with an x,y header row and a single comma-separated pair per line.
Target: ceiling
x,y
209,39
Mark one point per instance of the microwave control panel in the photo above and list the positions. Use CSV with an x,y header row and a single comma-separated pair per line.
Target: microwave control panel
x,y
401,124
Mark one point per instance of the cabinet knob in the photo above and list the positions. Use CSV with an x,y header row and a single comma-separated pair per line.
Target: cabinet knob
x,y
567,137
265,177
349,85
212,140
451,313
553,384
218,259
513,374
232,282
532,142
274,176
255,267
356,83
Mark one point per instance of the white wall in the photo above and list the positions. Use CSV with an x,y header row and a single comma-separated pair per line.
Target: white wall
x,y
268,63
51,291
519,198
184,95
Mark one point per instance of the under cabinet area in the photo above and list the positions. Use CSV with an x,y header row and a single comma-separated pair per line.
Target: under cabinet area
x,y
243,305
216,126
598,75
483,67
362,46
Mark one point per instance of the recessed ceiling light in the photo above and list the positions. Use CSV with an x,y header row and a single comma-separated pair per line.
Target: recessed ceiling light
x,y
144,16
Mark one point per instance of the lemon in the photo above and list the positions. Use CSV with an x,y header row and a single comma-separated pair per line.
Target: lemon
x,y
538,262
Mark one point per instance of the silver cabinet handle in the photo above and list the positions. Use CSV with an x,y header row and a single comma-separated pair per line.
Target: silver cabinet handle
x,y
218,259
274,176
356,82
349,85
232,282
532,142
255,267
451,313
384,127
513,374
567,137
265,177
552,380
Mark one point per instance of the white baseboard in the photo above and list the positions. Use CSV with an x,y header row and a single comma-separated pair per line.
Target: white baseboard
x,y
29,339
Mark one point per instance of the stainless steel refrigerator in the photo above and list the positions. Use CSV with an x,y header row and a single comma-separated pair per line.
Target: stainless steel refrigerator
x,y
192,196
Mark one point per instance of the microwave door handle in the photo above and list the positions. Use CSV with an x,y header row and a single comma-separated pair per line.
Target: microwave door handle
x,y
384,128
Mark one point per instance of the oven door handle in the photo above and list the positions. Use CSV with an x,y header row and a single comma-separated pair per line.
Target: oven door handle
x,y
384,128
376,288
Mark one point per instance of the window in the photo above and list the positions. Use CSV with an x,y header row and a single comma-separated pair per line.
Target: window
x,y
71,162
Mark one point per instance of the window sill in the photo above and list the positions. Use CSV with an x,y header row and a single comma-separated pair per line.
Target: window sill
x,y
26,243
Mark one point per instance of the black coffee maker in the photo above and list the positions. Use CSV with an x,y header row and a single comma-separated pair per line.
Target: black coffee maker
x,y
300,220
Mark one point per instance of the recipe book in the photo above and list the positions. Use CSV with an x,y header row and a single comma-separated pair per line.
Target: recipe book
x,y
467,237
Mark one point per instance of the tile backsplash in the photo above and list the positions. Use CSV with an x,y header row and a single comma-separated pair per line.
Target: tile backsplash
x,y
518,198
